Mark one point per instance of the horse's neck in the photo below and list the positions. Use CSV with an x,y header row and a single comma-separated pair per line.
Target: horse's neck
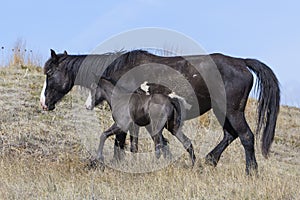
x,y
76,65
90,69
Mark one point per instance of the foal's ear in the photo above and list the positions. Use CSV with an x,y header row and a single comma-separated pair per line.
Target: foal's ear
x,y
65,53
53,54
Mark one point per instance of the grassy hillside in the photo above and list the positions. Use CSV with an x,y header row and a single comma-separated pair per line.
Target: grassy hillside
x,y
44,154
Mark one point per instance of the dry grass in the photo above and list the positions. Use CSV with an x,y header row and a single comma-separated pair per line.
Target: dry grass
x,y
19,56
43,154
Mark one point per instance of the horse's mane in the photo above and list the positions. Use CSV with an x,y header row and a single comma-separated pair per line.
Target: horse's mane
x,y
94,66
88,69
127,58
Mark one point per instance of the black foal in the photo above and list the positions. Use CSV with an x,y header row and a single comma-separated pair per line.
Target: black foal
x,y
154,111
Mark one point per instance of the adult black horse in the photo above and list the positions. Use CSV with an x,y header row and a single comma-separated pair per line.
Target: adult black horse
x,y
220,82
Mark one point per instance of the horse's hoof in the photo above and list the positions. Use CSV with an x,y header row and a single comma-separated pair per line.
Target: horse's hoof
x,y
252,171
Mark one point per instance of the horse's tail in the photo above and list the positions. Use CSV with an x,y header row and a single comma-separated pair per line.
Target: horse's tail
x,y
268,102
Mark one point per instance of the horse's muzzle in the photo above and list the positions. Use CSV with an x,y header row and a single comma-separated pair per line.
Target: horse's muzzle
x,y
47,108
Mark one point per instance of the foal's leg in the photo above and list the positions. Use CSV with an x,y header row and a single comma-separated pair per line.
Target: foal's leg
x,y
114,129
134,133
156,135
166,150
119,146
186,142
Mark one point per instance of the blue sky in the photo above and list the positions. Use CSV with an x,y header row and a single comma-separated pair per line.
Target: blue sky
x,y
266,30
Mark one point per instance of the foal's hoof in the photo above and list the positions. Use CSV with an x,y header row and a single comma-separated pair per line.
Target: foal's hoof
x,y
119,154
96,164
157,153
193,161
198,167
166,153
209,160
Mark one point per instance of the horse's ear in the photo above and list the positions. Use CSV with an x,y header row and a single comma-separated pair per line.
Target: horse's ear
x,y
53,54
65,53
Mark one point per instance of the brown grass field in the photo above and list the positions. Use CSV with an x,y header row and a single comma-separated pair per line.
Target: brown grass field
x,y
43,155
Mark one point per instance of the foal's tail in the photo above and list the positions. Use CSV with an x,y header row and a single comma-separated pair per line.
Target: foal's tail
x,y
179,115
268,102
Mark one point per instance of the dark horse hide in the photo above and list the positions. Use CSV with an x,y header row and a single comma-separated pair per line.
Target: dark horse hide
x,y
213,81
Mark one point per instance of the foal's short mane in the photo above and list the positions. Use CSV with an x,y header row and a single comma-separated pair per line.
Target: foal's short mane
x,y
114,83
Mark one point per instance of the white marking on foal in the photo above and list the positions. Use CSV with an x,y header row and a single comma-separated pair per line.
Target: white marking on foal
x,y
88,102
145,87
43,97
186,104
194,75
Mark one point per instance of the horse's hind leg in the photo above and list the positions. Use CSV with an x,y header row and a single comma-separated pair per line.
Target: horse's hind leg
x,y
234,126
247,138
238,126
212,158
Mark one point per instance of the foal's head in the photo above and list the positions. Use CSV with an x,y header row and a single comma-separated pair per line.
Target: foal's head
x,y
58,81
96,97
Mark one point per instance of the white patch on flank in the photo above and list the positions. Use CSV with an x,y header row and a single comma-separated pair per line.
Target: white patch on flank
x,y
145,87
88,102
186,104
43,98
194,75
